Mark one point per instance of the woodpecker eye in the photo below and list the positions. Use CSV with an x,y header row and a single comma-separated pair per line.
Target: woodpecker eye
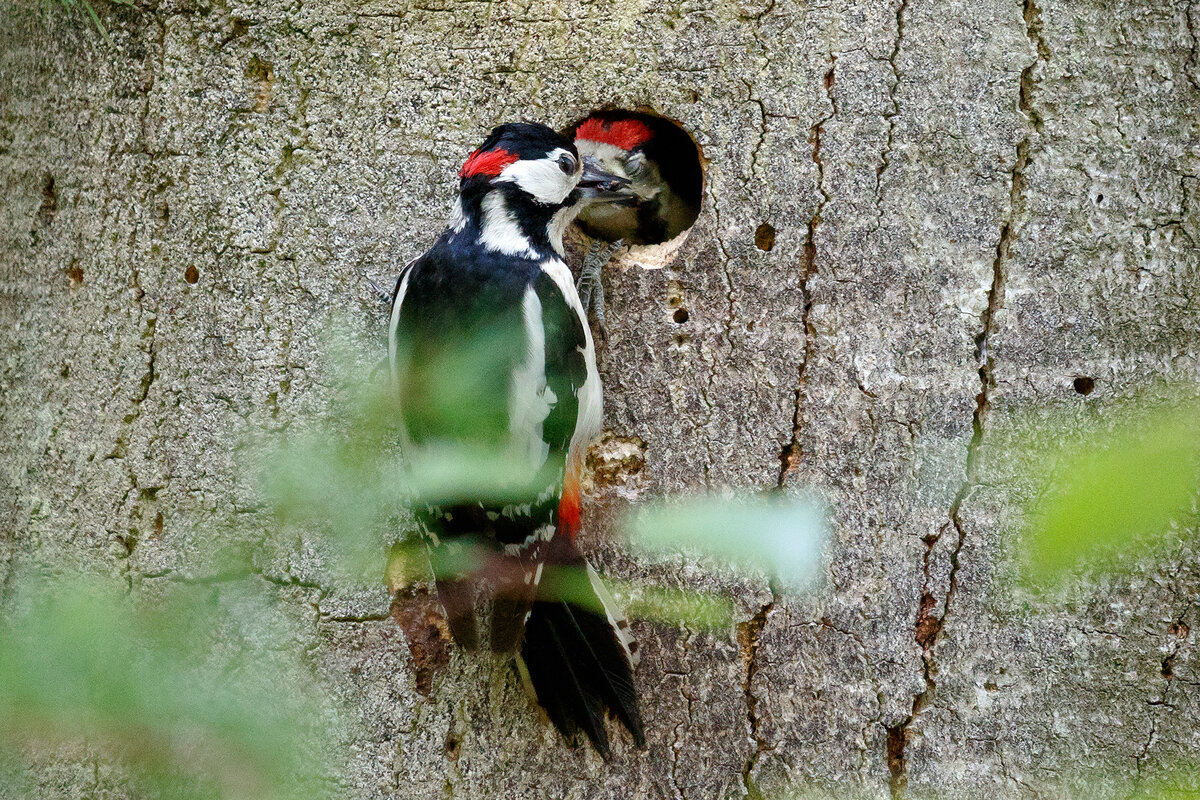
x,y
566,162
636,164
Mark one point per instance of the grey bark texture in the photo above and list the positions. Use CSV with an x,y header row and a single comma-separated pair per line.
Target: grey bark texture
x,y
974,203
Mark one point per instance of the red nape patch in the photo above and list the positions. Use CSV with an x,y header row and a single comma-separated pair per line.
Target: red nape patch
x,y
491,162
624,133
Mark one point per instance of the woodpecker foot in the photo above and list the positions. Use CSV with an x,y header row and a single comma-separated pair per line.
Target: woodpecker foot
x,y
385,298
591,288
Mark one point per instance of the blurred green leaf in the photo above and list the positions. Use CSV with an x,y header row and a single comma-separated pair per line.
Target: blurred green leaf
x,y
80,663
1113,491
702,610
781,537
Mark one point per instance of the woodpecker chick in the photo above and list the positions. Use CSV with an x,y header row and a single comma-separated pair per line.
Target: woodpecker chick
x,y
489,346
662,165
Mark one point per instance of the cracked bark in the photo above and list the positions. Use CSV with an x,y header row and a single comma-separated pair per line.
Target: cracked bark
x,y
748,643
885,157
869,342
790,454
932,613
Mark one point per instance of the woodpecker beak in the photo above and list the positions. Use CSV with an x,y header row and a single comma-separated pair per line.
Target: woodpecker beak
x,y
599,184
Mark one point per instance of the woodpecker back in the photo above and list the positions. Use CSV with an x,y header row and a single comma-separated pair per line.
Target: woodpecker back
x,y
489,346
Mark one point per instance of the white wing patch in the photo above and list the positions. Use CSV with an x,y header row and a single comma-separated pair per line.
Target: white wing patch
x,y
591,401
394,324
528,405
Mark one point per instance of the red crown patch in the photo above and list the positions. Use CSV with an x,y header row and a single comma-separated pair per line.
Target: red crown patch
x,y
624,133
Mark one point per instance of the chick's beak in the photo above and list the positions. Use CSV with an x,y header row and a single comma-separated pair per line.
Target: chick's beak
x,y
600,184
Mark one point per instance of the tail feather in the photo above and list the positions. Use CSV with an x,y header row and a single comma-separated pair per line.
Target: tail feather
x,y
556,672
615,679
516,588
578,662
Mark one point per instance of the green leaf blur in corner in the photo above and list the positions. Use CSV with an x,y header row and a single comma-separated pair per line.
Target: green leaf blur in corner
x,y
135,679
1115,492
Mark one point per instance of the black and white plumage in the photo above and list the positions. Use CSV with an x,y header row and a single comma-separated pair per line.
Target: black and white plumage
x,y
489,346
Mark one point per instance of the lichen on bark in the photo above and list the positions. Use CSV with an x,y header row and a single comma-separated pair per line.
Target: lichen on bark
x,y
972,204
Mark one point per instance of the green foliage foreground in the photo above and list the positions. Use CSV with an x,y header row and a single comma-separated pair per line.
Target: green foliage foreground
x,y
134,678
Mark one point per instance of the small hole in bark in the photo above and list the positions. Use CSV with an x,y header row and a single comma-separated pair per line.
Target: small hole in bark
x,y
1083,384
191,275
1168,667
49,201
1099,199
75,275
1179,629
665,168
453,747
764,238
680,315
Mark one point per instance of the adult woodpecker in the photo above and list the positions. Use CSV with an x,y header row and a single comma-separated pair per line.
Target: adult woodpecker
x,y
489,346
662,165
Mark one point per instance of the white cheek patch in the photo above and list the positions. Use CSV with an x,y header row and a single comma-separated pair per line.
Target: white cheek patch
x,y
499,231
541,178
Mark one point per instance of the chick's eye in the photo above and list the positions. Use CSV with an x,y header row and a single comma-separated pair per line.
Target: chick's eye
x,y
566,163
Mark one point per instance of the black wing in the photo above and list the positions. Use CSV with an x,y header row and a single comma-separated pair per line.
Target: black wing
x,y
458,337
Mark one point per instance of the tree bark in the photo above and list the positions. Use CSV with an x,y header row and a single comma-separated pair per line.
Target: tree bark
x,y
972,204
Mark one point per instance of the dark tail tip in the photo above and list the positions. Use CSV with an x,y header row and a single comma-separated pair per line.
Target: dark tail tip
x,y
579,670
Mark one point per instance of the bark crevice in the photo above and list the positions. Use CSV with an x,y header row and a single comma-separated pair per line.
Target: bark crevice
x,y
890,114
789,456
933,612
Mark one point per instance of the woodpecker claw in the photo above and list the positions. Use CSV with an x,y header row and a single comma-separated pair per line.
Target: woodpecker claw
x,y
384,297
591,287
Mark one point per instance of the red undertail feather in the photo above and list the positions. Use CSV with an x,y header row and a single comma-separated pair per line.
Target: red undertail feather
x,y
569,506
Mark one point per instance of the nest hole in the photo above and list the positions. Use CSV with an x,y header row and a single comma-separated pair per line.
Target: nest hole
x,y
1083,385
665,168
764,237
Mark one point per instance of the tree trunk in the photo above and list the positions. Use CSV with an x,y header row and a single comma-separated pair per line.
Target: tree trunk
x,y
918,218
